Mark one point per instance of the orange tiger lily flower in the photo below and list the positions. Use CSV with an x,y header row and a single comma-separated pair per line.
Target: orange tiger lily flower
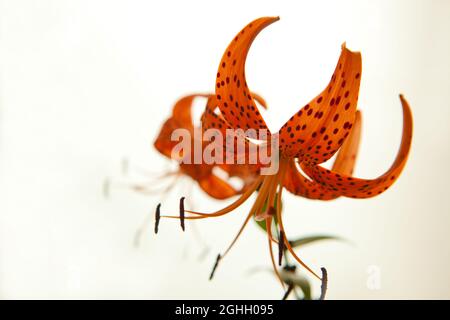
x,y
329,123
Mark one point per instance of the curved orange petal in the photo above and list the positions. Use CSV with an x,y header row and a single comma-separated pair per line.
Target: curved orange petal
x,y
317,131
181,118
297,184
216,187
182,110
163,142
362,188
234,99
259,99
346,156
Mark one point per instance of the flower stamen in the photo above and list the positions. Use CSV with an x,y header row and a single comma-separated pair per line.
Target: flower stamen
x,y
286,242
157,217
270,238
280,248
182,213
227,209
323,287
215,266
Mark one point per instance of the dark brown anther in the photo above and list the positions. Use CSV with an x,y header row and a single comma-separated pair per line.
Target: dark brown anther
x,y
157,217
215,266
324,286
182,213
280,247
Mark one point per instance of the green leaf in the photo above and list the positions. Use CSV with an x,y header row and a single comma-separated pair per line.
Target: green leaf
x,y
261,224
310,239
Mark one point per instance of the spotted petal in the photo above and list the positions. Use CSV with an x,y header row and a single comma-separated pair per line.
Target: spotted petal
x,y
212,118
316,132
296,183
234,99
352,187
346,156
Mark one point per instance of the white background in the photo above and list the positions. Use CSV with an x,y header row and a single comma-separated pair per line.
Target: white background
x,y
85,83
